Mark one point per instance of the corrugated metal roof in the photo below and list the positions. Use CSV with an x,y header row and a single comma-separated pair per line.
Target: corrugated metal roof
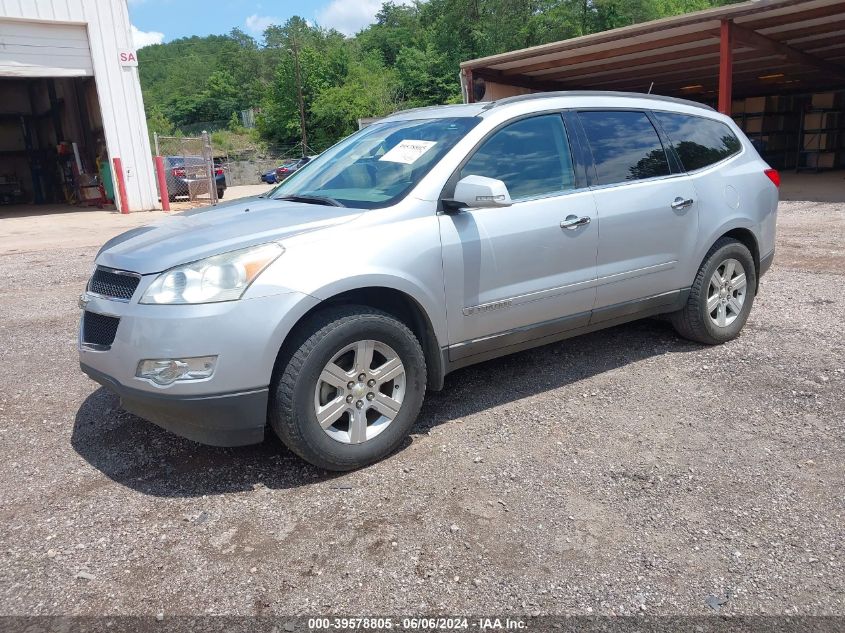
x,y
681,54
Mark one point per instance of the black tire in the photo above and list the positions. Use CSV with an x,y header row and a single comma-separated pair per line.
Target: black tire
x,y
693,321
292,414
220,193
172,198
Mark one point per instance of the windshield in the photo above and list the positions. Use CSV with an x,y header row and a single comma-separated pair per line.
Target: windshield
x,y
377,166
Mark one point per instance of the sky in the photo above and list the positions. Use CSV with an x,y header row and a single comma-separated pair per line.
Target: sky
x,y
157,21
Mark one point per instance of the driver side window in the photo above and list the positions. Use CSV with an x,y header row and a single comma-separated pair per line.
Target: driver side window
x,y
532,157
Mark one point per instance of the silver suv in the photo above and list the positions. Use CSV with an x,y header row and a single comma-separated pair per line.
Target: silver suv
x,y
434,239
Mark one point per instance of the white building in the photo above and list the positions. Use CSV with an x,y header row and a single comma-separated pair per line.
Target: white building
x,y
70,95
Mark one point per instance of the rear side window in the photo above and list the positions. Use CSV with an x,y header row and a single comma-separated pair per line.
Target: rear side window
x,y
699,142
530,156
625,146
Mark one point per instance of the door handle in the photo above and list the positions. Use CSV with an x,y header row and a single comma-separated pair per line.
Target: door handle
x,y
681,203
572,222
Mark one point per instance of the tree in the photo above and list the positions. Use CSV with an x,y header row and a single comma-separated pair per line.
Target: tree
x,y
369,90
396,27
423,75
310,84
158,123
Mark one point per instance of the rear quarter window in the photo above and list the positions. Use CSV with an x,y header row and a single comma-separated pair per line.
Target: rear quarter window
x,y
698,142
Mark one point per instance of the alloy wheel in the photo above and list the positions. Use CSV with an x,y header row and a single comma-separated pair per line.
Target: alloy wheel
x,y
726,293
360,391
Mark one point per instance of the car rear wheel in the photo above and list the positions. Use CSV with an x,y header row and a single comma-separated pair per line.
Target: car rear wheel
x,y
351,390
721,296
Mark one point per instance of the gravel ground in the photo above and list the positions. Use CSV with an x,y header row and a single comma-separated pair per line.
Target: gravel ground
x,y
621,472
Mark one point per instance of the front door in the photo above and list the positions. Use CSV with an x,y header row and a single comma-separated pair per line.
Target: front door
x,y
525,271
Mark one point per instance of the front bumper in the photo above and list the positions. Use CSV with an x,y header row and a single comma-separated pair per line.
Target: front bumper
x,y
227,409
229,419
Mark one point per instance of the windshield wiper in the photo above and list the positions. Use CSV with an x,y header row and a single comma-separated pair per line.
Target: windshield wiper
x,y
329,202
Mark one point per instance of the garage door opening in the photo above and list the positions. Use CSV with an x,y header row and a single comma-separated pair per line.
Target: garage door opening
x,y
52,146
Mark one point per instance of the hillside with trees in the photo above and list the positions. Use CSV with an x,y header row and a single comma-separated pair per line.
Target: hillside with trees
x,y
300,75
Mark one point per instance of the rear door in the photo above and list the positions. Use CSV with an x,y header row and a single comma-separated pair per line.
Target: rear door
x,y
647,208
509,269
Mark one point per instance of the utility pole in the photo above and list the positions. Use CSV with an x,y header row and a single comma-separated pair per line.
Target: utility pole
x,y
295,50
584,17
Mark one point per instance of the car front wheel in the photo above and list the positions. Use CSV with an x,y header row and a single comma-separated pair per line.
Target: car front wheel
x,y
721,295
351,390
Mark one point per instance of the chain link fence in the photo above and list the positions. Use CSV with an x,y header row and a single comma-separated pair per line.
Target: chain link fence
x,y
197,172
194,174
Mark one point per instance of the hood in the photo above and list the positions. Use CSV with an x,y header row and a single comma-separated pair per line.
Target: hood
x,y
199,233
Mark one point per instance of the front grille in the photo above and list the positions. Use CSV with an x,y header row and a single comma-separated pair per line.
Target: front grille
x,y
98,329
112,284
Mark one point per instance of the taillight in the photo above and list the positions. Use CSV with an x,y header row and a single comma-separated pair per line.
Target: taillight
x,y
178,173
774,176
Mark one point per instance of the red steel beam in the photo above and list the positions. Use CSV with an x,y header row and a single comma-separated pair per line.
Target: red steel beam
x,y
162,183
121,185
725,66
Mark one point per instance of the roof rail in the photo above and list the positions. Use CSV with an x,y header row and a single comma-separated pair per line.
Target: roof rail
x,y
429,107
593,93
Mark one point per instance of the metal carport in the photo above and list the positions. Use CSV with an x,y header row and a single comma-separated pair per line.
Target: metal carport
x,y
761,47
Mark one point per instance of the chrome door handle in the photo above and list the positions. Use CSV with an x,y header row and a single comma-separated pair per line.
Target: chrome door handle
x,y
681,203
572,222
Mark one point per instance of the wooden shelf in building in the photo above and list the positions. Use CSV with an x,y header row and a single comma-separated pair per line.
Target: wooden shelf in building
x,y
801,132
772,125
822,139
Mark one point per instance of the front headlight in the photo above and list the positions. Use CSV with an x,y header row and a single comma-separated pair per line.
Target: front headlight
x,y
220,278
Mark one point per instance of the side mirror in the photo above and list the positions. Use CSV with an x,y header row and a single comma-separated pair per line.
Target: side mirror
x,y
478,192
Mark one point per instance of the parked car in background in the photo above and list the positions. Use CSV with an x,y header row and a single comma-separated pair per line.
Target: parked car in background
x,y
431,240
187,175
270,177
289,168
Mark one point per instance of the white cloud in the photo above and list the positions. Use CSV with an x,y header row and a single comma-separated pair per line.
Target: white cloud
x,y
259,23
145,38
350,16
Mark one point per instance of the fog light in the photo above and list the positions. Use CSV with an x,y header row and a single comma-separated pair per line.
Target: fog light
x,y
166,371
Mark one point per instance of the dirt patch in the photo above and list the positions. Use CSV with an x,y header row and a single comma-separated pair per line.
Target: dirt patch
x,y
811,236
619,472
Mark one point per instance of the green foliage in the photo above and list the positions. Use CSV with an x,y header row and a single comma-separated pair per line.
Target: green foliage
x,y
235,123
236,140
409,57
157,122
424,75
182,77
369,90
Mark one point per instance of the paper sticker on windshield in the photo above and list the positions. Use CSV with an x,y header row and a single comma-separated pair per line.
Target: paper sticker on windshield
x,y
408,152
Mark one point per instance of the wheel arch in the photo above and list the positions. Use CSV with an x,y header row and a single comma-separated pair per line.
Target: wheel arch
x,y
393,301
741,232
747,238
